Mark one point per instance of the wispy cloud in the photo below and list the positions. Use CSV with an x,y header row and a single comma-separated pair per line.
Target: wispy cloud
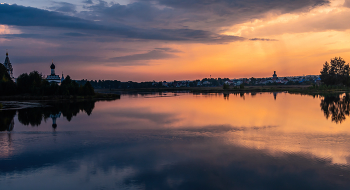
x,y
262,39
143,58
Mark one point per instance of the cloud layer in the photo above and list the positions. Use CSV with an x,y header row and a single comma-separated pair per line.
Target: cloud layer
x,y
93,32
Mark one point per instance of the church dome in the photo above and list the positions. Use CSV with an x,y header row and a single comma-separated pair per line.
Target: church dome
x,y
52,66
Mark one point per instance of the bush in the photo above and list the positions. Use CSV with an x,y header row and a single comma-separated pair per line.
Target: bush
x,y
88,89
241,86
226,86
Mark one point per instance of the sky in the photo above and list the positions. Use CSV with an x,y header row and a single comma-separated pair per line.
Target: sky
x,y
146,40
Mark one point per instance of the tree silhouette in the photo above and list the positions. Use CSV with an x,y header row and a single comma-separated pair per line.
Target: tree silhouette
x,y
335,73
7,86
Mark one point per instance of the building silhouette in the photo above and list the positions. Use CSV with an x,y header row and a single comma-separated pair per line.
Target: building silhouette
x,y
8,65
274,76
53,77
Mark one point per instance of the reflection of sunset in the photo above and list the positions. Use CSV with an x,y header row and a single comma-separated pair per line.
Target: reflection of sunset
x,y
291,123
289,113
5,145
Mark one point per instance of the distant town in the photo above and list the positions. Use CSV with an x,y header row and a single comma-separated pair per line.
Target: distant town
x,y
205,82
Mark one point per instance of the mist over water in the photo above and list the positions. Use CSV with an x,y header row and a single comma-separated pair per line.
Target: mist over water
x,y
179,141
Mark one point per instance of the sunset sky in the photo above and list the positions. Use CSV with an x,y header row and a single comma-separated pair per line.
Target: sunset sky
x,y
145,40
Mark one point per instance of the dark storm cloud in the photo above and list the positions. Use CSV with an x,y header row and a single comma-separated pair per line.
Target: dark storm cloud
x,y
27,16
138,13
198,10
218,13
16,15
210,15
224,6
145,20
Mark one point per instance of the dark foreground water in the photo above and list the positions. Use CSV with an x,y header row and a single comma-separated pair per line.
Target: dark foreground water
x,y
179,141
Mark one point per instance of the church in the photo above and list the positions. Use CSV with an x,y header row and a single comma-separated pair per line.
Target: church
x,y
8,66
53,77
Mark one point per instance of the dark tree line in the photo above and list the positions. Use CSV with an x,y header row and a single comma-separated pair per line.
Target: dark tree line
x,y
34,84
336,72
7,86
115,84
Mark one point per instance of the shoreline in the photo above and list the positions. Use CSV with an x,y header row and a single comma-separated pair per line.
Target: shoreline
x,y
300,89
97,96
26,101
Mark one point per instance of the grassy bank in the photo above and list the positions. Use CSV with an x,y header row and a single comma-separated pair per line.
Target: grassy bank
x,y
306,89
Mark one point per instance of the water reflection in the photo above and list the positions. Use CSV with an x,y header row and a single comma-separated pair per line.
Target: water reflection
x,y
336,107
163,160
226,96
54,118
241,94
35,116
6,120
210,141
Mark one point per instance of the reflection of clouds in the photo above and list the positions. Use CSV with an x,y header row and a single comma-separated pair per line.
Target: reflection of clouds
x,y
259,122
218,130
333,147
188,142
164,160
330,147
142,116
159,118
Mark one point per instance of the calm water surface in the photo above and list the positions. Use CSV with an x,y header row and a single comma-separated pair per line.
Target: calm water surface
x,y
179,141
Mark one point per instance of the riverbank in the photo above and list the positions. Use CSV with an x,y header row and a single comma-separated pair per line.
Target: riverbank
x,y
97,96
309,89
207,89
27,101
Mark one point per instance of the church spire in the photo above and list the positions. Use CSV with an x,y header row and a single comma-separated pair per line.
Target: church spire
x,y
8,65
